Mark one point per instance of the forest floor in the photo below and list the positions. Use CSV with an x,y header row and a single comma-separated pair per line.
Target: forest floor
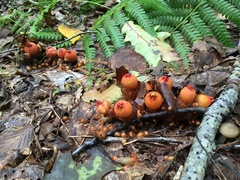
x,y
48,110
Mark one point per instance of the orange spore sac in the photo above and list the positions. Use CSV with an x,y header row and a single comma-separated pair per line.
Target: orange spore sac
x,y
31,48
134,157
101,135
100,122
129,81
204,100
123,109
127,161
70,56
103,106
153,100
61,52
51,52
166,80
149,87
187,94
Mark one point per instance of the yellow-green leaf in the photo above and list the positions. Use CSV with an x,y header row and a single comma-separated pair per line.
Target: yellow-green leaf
x,y
153,49
112,94
69,32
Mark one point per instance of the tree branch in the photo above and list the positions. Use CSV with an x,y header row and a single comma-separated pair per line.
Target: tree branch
x,y
204,143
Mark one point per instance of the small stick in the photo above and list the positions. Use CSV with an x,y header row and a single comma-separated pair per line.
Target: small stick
x,y
95,140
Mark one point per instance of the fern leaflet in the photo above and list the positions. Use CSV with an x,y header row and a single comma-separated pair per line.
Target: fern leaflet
x,y
116,8
88,43
181,47
103,39
120,18
63,44
222,6
172,21
199,24
46,35
26,25
138,13
18,23
114,32
236,3
190,32
158,5
182,11
217,26
164,29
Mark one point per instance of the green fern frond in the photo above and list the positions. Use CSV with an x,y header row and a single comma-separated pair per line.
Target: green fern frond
x,y
18,23
120,18
90,51
103,39
40,19
225,8
199,24
222,35
26,25
172,21
191,33
164,29
154,14
236,3
114,9
139,15
63,44
183,3
185,19
181,11
46,35
8,18
216,25
114,32
158,5
35,24
181,47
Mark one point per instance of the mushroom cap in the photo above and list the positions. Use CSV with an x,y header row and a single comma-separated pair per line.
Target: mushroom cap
x,y
229,130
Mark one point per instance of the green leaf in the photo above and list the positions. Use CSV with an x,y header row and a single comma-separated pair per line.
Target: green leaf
x,y
152,48
64,168
95,167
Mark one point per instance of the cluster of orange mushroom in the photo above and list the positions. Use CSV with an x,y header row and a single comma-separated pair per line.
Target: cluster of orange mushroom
x,y
31,48
68,55
154,100
51,57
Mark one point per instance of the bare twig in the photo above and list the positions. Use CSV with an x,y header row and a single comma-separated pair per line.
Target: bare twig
x,y
145,139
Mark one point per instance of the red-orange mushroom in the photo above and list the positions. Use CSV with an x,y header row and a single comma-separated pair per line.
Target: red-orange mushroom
x,y
153,100
61,53
204,100
123,109
51,52
31,48
167,80
70,56
187,94
129,81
